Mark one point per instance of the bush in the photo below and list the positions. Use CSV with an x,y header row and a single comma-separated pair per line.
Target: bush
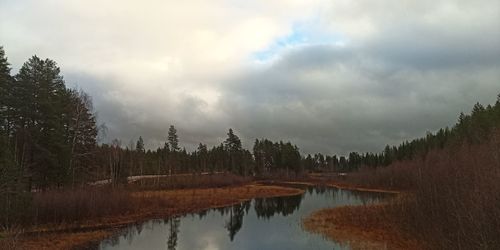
x,y
455,194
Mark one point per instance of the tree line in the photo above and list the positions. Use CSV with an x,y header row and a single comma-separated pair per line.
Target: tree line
x,y
472,128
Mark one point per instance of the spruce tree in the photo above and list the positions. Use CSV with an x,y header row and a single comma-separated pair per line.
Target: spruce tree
x,y
139,146
5,84
173,140
232,146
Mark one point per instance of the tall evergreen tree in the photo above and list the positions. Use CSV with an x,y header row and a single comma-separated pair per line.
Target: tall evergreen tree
x,y
174,158
7,163
41,120
173,140
258,153
11,194
232,146
139,146
233,142
202,153
6,81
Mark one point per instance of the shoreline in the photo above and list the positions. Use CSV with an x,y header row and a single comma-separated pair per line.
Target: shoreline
x,y
370,232
85,233
333,184
362,189
362,226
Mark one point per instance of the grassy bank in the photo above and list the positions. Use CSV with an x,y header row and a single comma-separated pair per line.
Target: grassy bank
x,y
361,227
64,218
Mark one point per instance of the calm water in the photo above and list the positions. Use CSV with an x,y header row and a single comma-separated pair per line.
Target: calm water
x,y
267,223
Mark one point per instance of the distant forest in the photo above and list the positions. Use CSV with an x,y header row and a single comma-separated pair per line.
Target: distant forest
x,y
48,138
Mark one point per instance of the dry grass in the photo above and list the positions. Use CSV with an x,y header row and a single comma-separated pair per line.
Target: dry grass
x,y
63,206
361,227
455,194
457,198
9,238
144,205
190,181
66,206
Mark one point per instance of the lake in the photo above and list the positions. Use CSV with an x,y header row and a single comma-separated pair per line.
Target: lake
x,y
259,224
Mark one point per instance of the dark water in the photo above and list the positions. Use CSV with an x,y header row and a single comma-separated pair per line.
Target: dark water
x,y
264,223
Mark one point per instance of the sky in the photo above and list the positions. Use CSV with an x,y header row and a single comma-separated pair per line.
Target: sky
x,y
331,76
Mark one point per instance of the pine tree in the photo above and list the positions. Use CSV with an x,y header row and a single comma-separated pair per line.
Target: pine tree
x,y
233,142
173,140
202,153
12,198
258,154
139,146
232,145
5,98
7,163
41,121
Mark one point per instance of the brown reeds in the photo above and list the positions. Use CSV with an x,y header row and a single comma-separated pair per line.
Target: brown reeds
x,y
454,194
191,181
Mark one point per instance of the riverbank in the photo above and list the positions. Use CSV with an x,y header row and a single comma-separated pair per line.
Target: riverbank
x,y
162,204
451,201
361,227
315,181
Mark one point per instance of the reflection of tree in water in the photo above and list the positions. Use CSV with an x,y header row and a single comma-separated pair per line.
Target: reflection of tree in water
x,y
341,194
310,189
236,214
128,234
268,207
174,224
133,231
202,214
320,189
228,210
368,197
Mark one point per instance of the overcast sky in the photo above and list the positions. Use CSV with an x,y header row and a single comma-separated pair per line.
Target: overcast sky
x,y
331,76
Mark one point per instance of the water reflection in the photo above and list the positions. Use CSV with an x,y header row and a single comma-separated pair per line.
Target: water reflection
x,y
235,222
174,224
268,207
273,223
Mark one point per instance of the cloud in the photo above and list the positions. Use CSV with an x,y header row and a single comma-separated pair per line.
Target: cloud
x,y
332,76
333,100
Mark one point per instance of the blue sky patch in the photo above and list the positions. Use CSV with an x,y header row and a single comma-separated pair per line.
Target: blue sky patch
x,y
299,36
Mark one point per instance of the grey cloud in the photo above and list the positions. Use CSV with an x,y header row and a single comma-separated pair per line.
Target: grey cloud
x,y
151,120
428,49
353,102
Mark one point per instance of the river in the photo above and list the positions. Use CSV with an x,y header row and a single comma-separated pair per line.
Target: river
x,y
259,224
